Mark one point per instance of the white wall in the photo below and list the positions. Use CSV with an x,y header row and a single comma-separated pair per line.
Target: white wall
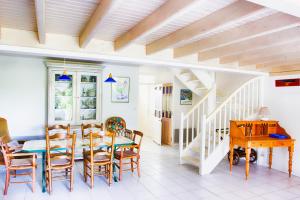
x,y
23,95
128,111
284,104
177,108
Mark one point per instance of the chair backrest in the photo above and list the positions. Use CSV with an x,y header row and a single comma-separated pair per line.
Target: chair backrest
x,y
96,139
59,144
4,130
137,138
116,125
85,129
4,150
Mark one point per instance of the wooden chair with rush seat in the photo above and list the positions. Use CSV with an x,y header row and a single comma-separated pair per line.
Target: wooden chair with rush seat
x,y
130,152
95,158
4,133
60,148
16,162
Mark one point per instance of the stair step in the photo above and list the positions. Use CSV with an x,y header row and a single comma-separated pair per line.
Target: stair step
x,y
192,160
194,81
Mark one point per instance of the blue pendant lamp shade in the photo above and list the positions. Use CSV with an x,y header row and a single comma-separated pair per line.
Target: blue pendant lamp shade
x,y
110,79
64,77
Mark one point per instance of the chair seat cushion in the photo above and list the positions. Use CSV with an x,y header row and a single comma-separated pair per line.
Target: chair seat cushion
x,y
21,162
60,162
126,154
100,157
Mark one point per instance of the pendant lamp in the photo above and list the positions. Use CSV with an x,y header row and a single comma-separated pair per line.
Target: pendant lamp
x,y
64,76
110,79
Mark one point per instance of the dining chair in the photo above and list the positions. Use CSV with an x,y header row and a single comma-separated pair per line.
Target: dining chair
x,y
14,162
118,126
95,158
60,150
130,152
85,129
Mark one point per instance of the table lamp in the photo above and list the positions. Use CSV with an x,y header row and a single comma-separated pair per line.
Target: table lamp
x,y
264,113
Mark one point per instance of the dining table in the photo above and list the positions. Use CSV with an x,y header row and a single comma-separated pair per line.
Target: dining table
x,y
39,147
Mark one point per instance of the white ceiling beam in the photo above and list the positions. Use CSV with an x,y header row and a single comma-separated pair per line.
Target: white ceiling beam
x,y
95,20
291,7
253,55
40,20
159,17
227,14
265,25
288,35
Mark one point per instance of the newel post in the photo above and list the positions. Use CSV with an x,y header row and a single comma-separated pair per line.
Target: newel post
x,y
202,144
181,137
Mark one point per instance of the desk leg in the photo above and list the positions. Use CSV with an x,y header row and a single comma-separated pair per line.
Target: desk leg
x,y
248,151
270,157
291,151
231,157
43,172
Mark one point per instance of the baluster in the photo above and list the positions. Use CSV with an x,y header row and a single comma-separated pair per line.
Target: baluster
x,y
244,103
193,119
181,136
203,107
208,137
198,121
187,133
261,92
214,132
240,104
203,140
235,111
257,96
248,100
220,126
230,108
225,122
252,98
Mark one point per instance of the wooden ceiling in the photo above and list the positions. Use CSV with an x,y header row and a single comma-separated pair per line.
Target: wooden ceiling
x,y
260,33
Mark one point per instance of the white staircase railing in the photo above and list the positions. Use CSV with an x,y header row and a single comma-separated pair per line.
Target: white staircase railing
x,y
191,121
214,139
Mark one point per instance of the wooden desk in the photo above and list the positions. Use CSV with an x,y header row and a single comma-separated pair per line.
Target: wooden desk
x,y
255,134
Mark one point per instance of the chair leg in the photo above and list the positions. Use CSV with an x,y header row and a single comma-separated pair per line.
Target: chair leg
x,y
15,173
138,167
84,170
7,178
92,176
131,163
71,179
120,170
110,174
33,179
106,170
50,181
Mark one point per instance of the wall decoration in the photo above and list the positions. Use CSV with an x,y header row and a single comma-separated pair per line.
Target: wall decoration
x,y
287,82
120,90
186,97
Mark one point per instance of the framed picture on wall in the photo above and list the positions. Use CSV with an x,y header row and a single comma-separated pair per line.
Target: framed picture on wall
x,y
120,90
186,97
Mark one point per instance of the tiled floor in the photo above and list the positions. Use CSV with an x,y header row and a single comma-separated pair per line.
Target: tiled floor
x,y
164,179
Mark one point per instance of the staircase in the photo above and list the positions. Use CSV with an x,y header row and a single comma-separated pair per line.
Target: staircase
x,y
204,133
198,81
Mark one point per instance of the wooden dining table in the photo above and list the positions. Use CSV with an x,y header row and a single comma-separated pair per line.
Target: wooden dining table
x,y
39,147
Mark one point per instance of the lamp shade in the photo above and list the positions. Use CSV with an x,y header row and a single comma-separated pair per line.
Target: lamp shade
x,y
64,77
110,79
264,113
